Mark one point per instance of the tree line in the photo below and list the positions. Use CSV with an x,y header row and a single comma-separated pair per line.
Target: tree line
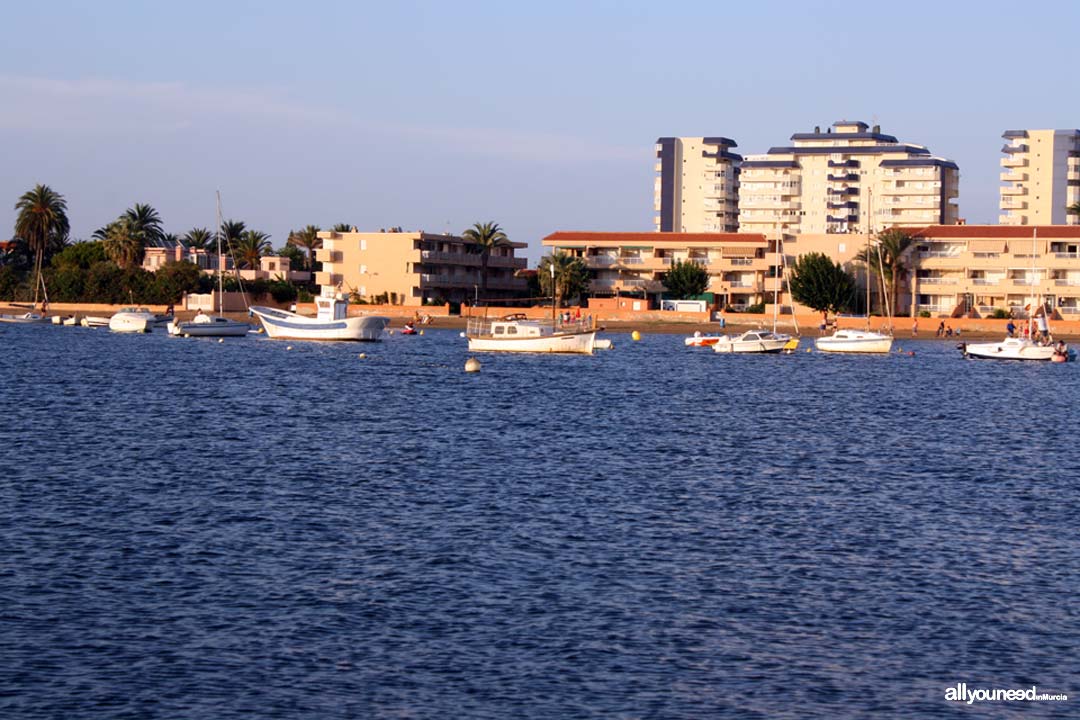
x,y
42,258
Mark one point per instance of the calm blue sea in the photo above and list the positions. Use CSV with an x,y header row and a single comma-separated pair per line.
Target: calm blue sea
x,y
194,529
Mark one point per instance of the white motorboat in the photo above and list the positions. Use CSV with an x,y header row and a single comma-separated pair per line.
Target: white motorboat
x,y
29,317
132,320
93,321
331,322
517,333
854,341
70,321
1012,348
209,326
755,341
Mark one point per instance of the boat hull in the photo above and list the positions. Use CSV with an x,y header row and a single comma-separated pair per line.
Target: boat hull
x,y
756,346
848,342
91,321
215,327
1009,349
703,340
574,343
130,324
23,319
283,325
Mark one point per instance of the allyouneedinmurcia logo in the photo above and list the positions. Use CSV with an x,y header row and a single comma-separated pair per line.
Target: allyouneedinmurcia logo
x,y
962,693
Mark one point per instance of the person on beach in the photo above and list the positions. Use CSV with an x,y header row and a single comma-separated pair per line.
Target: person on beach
x,y
915,327
941,329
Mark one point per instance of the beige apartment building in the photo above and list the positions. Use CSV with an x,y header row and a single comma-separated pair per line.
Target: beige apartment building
x,y
413,268
1040,177
739,264
849,179
271,267
696,185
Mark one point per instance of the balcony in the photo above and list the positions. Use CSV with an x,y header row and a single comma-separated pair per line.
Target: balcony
x,y
507,261
1073,174
1066,282
1015,149
327,279
986,280
1011,204
600,261
938,280
432,256
1014,191
1014,162
1014,177
324,255
1025,281
849,177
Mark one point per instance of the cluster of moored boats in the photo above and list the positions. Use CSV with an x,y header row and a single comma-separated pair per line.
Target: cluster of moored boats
x,y
517,333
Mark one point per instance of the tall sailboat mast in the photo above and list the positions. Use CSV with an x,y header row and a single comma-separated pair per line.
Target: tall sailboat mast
x,y
220,259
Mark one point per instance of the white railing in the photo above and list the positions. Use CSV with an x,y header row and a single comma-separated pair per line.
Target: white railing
x,y
630,259
937,281
1067,255
1066,282
986,281
1068,309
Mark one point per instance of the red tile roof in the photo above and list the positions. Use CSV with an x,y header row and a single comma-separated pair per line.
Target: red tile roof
x,y
644,238
995,231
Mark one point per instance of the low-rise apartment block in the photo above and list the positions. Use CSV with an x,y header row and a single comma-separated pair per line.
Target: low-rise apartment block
x,y
696,185
850,178
414,268
982,268
739,264
271,267
1040,176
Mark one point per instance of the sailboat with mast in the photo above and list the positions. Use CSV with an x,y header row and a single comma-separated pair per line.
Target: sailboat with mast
x,y
203,325
862,341
1024,348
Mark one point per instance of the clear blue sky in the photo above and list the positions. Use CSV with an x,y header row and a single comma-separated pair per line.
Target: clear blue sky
x,y
540,116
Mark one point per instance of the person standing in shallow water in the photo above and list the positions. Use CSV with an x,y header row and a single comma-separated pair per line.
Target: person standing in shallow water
x,y
915,327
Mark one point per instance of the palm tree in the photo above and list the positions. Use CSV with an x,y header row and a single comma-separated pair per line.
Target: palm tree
x,y
571,276
198,238
42,222
146,221
309,240
485,237
231,230
251,246
125,242
1073,209
894,245
342,227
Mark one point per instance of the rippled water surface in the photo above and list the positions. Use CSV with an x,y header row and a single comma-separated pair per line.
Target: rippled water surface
x,y
194,529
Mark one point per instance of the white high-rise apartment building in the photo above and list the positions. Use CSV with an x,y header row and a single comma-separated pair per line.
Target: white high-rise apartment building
x,y
850,178
1040,176
696,186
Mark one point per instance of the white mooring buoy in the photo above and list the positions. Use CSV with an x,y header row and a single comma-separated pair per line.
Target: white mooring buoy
x,y
472,365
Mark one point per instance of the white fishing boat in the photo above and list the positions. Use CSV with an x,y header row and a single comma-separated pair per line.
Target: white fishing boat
x,y
132,320
203,325
518,333
854,341
331,322
93,321
28,317
755,341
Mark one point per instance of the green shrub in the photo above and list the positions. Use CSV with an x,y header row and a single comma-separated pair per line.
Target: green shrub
x,y
1001,314
757,308
924,313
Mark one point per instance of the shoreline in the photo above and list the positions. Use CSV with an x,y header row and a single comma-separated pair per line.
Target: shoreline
x,y
620,325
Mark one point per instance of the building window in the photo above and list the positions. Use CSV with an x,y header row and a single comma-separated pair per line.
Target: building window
x,y
363,243
363,269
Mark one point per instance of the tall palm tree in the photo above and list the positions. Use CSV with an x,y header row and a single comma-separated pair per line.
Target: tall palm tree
x,y
894,245
198,238
125,242
251,246
571,276
309,240
485,237
146,221
342,227
42,221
